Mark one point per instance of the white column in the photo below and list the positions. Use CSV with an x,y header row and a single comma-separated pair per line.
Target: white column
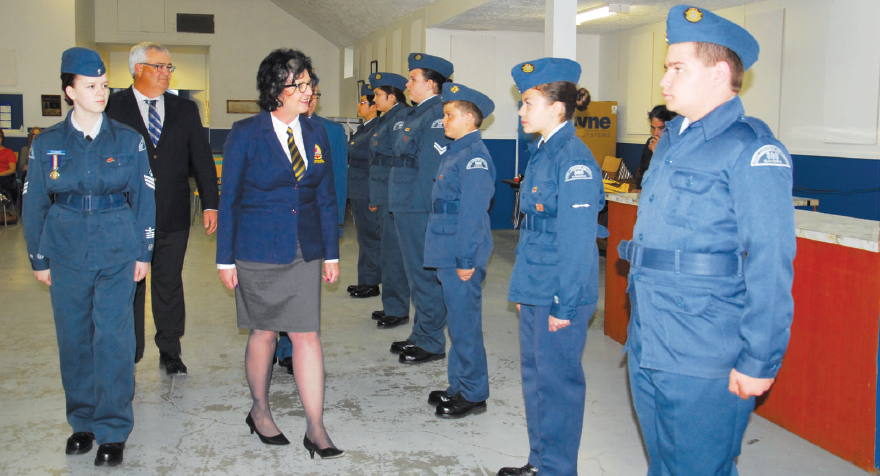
x,y
560,29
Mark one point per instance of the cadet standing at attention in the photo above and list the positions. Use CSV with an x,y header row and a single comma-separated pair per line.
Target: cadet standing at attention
x,y
711,256
416,159
388,89
366,223
555,281
91,246
458,243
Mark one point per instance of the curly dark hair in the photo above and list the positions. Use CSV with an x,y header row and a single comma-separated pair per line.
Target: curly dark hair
x,y
273,73
662,113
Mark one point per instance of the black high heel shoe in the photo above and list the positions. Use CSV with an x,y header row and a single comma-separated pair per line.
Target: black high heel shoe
x,y
278,439
324,453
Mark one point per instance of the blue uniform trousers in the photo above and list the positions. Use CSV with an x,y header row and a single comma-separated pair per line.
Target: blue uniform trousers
x,y
429,320
369,242
467,369
554,387
395,288
691,425
283,348
94,324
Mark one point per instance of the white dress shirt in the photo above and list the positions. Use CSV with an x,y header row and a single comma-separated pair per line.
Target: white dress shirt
x,y
143,103
95,129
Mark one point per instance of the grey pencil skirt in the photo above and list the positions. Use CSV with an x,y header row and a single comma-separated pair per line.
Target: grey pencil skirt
x,y
279,297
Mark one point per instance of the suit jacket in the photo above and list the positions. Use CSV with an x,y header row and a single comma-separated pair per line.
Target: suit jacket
x,y
183,146
264,210
339,146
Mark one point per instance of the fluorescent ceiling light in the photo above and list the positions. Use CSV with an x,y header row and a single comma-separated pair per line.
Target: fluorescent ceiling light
x,y
601,12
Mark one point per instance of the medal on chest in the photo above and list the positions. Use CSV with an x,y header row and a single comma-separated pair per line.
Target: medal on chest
x,y
54,174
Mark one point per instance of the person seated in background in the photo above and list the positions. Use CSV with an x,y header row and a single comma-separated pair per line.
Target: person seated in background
x,y
657,117
7,170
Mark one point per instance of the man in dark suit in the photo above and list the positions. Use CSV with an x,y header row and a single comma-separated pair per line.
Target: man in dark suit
x,y
339,147
176,143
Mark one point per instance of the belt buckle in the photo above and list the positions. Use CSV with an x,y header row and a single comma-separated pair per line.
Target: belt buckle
x,y
87,202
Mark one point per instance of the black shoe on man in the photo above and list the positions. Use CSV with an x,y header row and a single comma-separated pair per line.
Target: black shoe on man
x,y
401,346
527,470
458,407
287,363
353,288
418,355
389,322
171,363
109,454
377,315
438,397
79,443
366,291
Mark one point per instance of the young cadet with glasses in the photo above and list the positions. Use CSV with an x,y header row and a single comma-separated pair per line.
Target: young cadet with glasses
x,y
711,256
458,243
555,280
89,223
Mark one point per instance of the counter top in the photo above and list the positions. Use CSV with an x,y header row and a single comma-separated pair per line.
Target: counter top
x,y
836,229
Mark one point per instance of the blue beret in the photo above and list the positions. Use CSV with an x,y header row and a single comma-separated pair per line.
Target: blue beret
x,y
367,90
686,23
545,70
82,61
460,92
388,79
438,64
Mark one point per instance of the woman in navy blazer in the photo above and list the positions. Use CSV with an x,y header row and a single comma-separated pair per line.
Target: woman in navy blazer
x,y
277,219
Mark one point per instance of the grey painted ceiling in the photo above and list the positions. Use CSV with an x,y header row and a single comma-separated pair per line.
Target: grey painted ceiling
x,y
343,22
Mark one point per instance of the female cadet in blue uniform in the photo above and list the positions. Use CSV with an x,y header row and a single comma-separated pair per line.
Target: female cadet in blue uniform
x,y
711,256
555,278
388,89
416,159
458,243
91,246
366,223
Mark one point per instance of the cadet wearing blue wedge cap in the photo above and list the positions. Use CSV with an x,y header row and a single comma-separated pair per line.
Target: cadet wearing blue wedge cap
x,y
378,80
711,256
458,243
555,280
89,222
417,154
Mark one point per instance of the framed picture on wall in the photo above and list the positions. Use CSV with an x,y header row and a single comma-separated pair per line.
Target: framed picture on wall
x,y
239,106
360,86
374,66
51,104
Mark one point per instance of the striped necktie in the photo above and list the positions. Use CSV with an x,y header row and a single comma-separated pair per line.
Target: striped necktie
x,y
299,166
155,128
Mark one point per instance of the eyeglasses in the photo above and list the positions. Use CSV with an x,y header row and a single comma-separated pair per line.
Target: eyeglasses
x,y
302,86
162,67
363,103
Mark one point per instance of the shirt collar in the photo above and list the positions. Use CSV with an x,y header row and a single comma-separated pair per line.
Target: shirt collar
x,y
96,129
141,98
556,140
428,99
717,121
281,127
465,140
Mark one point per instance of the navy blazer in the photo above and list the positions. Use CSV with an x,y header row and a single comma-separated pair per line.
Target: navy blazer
x,y
264,211
339,146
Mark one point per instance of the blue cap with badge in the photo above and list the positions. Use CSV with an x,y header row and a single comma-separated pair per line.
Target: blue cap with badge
x,y
460,92
545,70
367,90
388,79
686,23
82,61
438,64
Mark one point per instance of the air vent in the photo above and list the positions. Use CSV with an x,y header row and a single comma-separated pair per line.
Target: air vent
x,y
195,23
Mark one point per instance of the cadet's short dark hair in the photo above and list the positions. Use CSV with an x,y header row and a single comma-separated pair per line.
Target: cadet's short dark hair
x,y
432,75
392,91
662,113
467,107
273,73
67,80
711,54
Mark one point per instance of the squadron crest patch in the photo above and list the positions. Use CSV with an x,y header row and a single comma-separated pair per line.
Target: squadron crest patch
x,y
319,158
438,124
770,155
578,172
478,163
397,126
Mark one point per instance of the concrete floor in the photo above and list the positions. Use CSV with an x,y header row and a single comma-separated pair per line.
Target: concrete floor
x,y
375,407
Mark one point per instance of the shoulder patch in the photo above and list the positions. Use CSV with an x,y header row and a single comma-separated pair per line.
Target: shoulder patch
x,y
578,172
142,146
478,163
439,148
438,124
770,155
398,126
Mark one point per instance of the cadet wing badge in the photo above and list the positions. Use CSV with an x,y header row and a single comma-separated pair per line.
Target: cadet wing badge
x,y
319,158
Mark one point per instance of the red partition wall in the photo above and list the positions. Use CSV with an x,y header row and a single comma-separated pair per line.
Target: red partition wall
x,y
621,220
826,389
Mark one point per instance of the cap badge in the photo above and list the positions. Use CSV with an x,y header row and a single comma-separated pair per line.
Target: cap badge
x,y
99,70
528,68
453,89
693,14
417,57
378,75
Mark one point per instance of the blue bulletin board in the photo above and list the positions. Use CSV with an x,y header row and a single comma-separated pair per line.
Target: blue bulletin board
x,y
11,111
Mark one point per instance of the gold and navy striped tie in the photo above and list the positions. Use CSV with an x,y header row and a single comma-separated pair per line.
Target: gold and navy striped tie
x,y
299,166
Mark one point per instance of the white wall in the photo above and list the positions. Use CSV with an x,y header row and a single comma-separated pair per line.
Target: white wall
x,y
37,42
790,76
246,31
